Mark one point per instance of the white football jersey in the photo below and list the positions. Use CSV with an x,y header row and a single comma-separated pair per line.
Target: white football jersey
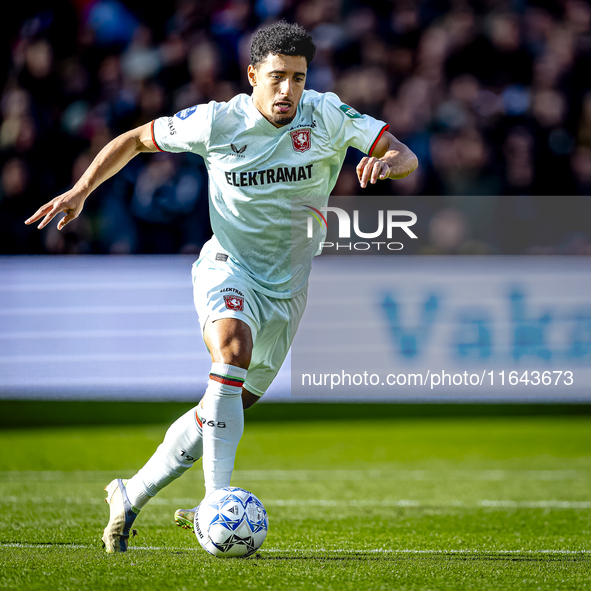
x,y
261,178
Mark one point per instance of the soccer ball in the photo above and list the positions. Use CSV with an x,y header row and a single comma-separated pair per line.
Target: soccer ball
x,y
231,522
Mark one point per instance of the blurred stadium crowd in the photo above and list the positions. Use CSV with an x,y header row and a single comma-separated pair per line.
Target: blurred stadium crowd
x,y
494,97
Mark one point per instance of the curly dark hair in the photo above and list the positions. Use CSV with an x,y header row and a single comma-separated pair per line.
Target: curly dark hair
x,y
281,38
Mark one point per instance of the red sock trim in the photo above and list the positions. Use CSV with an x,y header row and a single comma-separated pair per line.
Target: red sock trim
x,y
226,381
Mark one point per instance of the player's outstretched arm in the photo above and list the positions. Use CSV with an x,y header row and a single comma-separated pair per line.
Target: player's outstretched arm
x,y
390,159
110,160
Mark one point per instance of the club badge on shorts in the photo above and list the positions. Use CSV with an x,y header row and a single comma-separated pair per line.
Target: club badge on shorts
x,y
301,140
234,302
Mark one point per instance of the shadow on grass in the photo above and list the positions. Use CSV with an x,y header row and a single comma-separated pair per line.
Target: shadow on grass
x,y
433,557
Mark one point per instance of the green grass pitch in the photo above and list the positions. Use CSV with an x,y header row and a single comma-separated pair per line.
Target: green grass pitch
x,y
482,503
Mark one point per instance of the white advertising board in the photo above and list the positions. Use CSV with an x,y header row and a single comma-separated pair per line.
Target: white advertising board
x,y
410,328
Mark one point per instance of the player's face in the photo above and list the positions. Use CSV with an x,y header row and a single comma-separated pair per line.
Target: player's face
x,y
278,83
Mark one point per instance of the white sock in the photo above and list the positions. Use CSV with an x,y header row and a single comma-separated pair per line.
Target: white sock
x,y
181,448
223,423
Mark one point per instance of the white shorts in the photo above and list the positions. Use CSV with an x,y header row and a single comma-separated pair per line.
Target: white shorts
x,y
219,291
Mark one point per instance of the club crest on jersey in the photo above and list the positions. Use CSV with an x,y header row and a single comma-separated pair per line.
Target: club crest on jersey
x,y
301,140
234,302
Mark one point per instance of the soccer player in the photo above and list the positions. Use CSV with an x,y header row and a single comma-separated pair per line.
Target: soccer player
x,y
265,153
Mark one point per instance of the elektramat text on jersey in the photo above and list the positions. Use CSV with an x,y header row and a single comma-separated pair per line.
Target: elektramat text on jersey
x,y
283,174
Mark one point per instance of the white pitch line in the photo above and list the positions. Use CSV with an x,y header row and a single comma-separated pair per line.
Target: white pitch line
x,y
332,475
316,551
414,551
538,504
371,503
409,474
40,546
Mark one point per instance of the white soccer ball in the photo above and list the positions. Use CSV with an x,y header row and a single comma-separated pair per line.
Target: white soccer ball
x,y
231,522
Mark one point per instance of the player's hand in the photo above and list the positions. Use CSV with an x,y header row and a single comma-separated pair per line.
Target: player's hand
x,y
70,203
371,169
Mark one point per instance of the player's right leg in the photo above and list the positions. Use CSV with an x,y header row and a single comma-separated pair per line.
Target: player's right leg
x,y
181,448
121,517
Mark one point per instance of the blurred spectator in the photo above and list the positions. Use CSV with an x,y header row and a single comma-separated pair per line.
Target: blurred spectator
x,y
448,230
494,98
518,149
163,193
15,201
581,169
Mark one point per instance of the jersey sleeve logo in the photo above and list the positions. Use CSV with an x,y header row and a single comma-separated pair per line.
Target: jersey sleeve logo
x,y
301,140
234,302
350,112
186,112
